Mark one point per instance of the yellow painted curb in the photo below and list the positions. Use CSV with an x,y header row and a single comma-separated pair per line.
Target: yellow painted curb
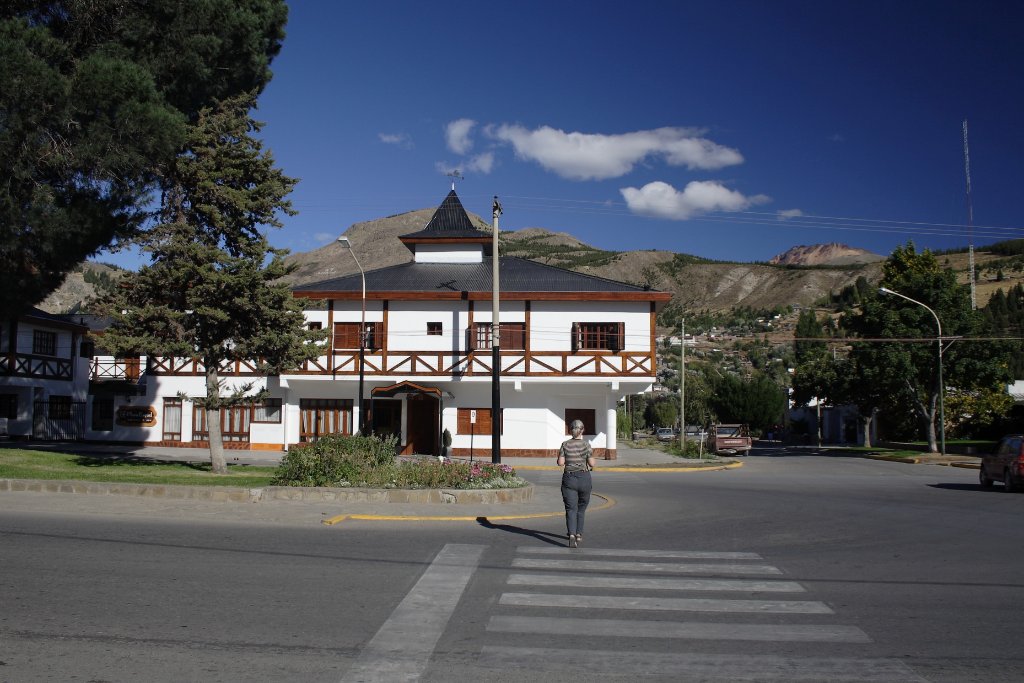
x,y
629,468
331,521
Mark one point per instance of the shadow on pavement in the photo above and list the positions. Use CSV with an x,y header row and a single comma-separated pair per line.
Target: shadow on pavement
x,y
544,536
966,487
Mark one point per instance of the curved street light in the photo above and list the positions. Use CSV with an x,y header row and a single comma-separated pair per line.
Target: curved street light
x,y
343,241
938,339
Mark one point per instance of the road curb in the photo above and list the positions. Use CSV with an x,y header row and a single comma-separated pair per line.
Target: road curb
x,y
924,460
337,519
611,469
239,494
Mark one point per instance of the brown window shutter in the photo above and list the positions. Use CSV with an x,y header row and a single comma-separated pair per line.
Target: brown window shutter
x,y
471,338
575,337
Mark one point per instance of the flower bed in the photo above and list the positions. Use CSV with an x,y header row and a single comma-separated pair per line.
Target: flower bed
x,y
370,462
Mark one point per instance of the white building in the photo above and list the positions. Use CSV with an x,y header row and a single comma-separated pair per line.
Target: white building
x,y
44,377
571,346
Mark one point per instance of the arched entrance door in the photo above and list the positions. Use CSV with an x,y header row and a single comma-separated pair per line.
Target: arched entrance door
x,y
423,415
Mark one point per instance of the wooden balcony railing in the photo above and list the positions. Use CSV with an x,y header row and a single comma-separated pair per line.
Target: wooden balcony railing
x,y
513,363
39,367
440,364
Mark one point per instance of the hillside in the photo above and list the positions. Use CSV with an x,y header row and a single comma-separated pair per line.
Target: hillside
x,y
803,275
697,283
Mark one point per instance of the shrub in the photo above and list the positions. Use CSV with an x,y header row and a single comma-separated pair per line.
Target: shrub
x,y
336,460
340,461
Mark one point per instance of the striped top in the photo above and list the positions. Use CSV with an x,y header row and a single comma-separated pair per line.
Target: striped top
x,y
576,452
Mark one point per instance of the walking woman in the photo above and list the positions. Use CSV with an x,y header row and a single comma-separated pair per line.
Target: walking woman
x,y
577,458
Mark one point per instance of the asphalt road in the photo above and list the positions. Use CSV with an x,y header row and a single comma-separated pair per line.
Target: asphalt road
x,y
790,568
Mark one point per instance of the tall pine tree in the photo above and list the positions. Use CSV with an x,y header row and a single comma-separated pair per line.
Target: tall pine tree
x,y
213,289
95,97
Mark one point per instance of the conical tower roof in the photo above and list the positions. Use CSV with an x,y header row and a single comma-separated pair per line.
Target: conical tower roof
x,y
450,221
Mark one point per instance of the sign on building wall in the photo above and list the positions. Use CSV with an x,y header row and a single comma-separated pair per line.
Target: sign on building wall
x,y
136,416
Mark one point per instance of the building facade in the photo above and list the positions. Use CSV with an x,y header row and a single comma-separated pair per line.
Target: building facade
x,y
418,343
44,377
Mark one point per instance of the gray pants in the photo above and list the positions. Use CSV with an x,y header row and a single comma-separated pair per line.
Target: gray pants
x,y
576,488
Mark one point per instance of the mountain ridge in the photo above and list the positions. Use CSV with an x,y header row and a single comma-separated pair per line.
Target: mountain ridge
x,y
696,283
802,275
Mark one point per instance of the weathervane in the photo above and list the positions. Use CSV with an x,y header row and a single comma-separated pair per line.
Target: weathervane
x,y
454,175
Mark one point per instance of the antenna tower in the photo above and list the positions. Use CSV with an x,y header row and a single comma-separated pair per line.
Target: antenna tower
x,y
970,221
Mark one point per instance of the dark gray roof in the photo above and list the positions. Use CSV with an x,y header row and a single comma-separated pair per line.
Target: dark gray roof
x,y
449,221
516,274
63,318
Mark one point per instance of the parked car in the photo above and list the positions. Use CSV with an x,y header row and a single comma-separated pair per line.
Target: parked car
x,y
731,439
1005,464
695,432
665,434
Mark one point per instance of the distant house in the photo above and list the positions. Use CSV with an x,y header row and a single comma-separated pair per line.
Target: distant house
x,y
571,346
44,376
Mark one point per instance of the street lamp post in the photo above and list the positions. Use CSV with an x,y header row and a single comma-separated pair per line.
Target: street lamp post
x,y
343,241
938,339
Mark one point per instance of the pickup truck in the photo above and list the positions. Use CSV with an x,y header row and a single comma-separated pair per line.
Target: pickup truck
x,y
731,439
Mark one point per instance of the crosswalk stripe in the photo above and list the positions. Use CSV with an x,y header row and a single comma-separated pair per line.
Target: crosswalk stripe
x,y
632,628
666,583
667,554
696,666
645,567
662,603
401,649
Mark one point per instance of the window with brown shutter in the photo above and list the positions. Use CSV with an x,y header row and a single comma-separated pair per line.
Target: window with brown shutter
x,y
465,425
598,336
346,336
512,336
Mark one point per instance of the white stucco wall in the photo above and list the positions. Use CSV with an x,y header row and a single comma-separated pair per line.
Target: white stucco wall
x,y
551,322
449,253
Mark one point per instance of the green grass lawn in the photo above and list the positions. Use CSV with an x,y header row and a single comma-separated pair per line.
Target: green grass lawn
x,y
17,463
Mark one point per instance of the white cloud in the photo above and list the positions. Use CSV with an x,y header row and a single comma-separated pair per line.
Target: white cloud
x,y
445,168
481,163
594,156
456,135
322,237
786,214
398,139
661,200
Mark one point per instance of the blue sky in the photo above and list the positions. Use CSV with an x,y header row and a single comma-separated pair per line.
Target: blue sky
x,y
725,129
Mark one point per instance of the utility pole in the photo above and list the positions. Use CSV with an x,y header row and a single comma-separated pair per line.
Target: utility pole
x,y
970,220
682,385
495,342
